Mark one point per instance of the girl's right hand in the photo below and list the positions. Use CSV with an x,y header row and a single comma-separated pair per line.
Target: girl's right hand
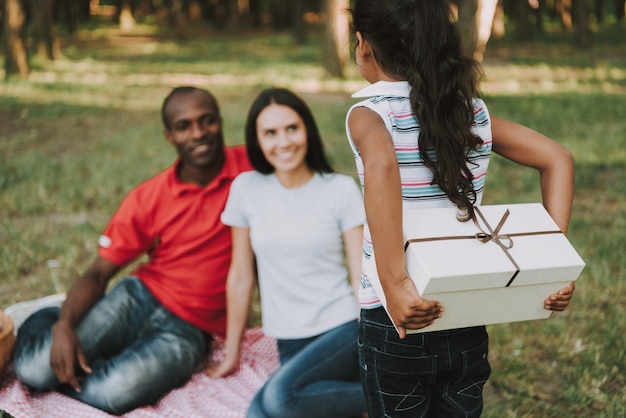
x,y
408,309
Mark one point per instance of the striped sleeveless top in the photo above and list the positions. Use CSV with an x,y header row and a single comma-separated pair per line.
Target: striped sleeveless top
x,y
390,100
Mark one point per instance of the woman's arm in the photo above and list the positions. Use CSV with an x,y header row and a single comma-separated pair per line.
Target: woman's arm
x,y
556,169
239,286
383,208
353,244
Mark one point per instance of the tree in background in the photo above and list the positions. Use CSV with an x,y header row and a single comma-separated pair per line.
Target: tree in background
x,y
522,21
564,10
475,21
336,48
126,18
15,57
620,9
583,34
44,42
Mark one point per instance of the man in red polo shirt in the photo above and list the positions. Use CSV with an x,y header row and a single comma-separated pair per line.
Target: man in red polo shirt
x,y
126,348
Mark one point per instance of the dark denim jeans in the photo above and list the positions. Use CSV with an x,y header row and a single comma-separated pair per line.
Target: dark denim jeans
x,y
137,349
431,374
318,377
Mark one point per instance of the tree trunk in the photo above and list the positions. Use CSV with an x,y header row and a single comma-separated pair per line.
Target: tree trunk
x,y
44,40
475,23
70,13
16,60
620,9
583,35
300,32
127,21
564,9
498,29
522,29
599,10
468,25
486,16
281,14
538,8
256,12
337,38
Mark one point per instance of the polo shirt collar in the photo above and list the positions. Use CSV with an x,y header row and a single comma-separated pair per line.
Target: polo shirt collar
x,y
385,88
227,173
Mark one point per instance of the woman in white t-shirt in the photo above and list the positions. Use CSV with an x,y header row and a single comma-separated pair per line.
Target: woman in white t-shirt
x,y
293,221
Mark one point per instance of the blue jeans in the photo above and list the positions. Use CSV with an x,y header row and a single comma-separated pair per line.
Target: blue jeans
x,y
138,350
431,374
318,377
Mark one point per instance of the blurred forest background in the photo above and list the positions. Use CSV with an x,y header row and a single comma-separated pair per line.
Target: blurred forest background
x,y
82,81
32,27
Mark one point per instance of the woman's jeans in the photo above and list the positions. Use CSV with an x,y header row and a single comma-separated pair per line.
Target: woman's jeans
x,y
431,374
318,377
138,350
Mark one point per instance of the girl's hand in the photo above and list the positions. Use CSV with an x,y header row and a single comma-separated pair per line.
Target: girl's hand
x,y
408,309
559,301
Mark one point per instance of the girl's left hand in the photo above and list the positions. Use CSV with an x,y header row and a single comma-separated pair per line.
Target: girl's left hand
x,y
559,301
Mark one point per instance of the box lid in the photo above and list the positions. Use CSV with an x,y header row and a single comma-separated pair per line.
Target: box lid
x,y
507,245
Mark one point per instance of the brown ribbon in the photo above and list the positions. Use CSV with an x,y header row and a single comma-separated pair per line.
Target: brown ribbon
x,y
484,237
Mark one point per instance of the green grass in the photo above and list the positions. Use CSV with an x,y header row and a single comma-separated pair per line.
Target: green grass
x,y
83,131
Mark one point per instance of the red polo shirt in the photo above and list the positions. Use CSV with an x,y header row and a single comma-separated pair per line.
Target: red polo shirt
x,y
189,249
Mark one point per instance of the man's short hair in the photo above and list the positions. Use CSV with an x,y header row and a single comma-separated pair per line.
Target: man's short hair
x,y
183,90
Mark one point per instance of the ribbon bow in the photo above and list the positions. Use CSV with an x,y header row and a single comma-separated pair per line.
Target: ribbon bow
x,y
494,235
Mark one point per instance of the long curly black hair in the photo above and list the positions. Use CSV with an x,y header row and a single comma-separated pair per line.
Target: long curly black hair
x,y
418,41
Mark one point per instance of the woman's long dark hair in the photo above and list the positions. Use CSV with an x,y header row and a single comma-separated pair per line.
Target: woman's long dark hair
x,y
315,157
417,41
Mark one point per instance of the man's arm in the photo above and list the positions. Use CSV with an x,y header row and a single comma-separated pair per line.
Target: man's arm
x,y
83,294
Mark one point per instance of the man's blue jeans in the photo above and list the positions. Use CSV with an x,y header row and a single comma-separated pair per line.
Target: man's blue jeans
x,y
138,350
431,374
318,377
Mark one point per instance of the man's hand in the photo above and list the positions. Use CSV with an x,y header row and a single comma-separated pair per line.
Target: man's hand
x,y
558,301
65,350
408,309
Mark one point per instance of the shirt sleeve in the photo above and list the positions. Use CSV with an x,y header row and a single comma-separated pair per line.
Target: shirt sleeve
x,y
126,236
352,211
235,213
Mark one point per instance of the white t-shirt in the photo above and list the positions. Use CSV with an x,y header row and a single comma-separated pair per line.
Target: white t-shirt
x,y
296,235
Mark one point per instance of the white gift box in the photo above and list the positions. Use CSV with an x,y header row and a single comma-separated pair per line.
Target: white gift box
x,y
498,268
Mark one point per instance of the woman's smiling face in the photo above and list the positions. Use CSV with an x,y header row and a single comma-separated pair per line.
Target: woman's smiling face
x,y
282,138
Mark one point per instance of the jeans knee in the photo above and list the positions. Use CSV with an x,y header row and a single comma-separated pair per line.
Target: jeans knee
x,y
35,375
112,396
279,402
32,366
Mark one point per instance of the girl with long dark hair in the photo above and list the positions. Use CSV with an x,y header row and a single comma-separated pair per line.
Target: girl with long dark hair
x,y
422,138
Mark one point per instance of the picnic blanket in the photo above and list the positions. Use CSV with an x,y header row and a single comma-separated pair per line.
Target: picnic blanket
x,y
201,397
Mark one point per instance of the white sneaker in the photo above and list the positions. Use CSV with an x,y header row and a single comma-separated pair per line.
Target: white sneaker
x,y
22,310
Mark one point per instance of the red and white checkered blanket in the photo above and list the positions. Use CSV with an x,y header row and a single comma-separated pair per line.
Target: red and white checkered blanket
x,y
201,397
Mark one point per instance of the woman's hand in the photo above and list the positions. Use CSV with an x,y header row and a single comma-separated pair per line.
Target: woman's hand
x,y
223,369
